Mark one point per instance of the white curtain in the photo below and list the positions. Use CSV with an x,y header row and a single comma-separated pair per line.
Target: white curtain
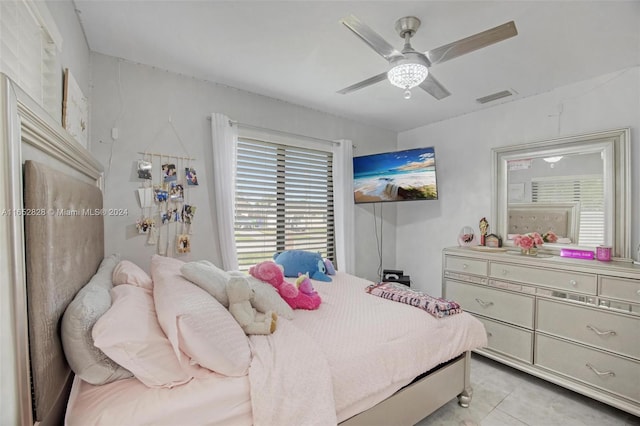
x,y
224,142
344,206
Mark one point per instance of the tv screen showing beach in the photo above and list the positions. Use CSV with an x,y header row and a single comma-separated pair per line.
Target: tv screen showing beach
x,y
395,176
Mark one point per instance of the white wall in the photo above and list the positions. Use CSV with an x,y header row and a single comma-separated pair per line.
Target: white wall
x,y
75,51
463,154
139,100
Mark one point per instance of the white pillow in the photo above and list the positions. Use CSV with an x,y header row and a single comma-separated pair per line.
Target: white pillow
x,y
266,297
127,272
92,301
196,323
129,334
208,277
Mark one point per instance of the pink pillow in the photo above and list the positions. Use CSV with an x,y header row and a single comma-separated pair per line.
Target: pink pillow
x,y
127,272
130,335
196,323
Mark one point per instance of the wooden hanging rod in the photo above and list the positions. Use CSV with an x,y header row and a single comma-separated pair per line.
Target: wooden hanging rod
x,y
155,154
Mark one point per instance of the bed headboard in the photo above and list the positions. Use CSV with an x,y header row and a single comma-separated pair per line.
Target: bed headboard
x,y
560,218
45,256
64,247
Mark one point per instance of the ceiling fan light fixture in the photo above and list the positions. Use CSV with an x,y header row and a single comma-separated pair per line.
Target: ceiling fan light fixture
x,y
554,159
407,75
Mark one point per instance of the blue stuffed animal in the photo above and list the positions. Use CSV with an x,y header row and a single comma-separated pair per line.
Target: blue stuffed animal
x,y
297,262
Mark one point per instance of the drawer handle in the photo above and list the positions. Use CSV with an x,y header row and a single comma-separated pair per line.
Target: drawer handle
x,y
483,303
600,332
600,373
573,282
489,334
505,272
638,292
465,266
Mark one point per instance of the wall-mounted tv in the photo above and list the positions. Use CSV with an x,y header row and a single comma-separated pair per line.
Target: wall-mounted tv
x,y
395,176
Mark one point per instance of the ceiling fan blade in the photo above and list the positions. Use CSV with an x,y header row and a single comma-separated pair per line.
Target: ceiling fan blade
x,y
434,88
471,43
364,83
369,36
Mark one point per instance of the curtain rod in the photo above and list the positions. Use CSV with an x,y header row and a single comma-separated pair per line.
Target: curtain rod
x,y
280,132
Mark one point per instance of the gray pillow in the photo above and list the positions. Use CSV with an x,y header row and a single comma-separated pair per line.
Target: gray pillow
x,y
266,297
208,277
91,302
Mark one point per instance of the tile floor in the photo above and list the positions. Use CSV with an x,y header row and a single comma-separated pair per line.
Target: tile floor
x,y
503,396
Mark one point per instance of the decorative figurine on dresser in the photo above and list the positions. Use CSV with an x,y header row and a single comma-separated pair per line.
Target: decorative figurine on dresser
x,y
484,229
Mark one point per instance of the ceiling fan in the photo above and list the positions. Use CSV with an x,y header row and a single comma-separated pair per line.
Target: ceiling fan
x,y
409,68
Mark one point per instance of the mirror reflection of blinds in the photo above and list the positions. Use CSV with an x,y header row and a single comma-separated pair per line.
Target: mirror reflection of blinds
x,y
588,191
28,55
284,201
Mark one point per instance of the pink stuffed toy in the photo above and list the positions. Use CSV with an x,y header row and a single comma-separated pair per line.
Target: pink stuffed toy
x,y
312,301
271,273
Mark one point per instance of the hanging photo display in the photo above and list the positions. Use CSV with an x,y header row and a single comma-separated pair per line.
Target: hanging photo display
x,y
160,194
176,192
146,197
169,172
183,243
144,225
188,212
144,169
190,175
166,212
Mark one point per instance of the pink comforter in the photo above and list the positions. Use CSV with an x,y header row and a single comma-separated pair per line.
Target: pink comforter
x,y
322,367
372,348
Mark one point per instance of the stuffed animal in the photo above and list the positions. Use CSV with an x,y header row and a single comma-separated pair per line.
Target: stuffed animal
x,y
305,286
328,264
271,273
240,295
302,262
311,299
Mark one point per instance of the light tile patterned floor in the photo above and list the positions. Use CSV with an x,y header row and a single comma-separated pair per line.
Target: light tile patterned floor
x,y
503,396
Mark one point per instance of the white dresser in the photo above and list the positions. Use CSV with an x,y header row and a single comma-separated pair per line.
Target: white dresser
x,y
573,322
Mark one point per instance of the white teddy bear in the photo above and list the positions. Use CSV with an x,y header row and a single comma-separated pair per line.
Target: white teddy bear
x,y
240,296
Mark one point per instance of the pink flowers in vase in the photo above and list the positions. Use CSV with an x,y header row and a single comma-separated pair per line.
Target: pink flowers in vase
x,y
550,237
528,241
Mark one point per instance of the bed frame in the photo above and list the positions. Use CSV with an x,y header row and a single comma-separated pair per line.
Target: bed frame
x,y
47,258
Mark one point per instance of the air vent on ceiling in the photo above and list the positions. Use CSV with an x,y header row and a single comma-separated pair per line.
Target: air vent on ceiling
x,y
494,96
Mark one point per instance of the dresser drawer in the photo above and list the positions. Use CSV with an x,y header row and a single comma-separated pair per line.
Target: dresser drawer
x,y
466,265
605,330
612,373
512,341
572,281
620,288
502,305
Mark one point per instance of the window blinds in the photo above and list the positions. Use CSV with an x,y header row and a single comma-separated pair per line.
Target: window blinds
x,y
588,191
284,201
28,54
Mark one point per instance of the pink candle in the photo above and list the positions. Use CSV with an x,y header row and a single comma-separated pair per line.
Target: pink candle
x,y
603,253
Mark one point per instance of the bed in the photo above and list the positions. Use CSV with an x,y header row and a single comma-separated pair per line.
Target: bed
x,y
400,373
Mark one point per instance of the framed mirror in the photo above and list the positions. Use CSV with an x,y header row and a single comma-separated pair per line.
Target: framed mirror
x,y
576,187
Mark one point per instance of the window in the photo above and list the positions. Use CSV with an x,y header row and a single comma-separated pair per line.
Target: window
x,y
28,52
284,201
588,191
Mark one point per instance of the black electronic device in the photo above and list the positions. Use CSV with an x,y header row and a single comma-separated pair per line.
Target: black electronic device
x,y
396,276
391,274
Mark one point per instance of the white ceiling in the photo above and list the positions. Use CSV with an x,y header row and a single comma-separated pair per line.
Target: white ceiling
x,y
297,51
